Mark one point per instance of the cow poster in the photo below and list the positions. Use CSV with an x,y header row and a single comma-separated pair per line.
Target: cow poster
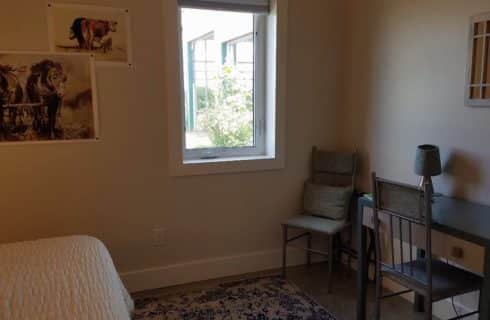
x,y
47,97
101,31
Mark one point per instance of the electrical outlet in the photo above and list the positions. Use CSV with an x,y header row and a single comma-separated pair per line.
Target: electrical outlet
x,y
159,237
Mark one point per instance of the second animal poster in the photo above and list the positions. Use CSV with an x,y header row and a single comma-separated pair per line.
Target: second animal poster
x,y
101,31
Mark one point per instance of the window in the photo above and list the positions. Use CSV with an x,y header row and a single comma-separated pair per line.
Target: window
x,y
478,78
243,67
224,83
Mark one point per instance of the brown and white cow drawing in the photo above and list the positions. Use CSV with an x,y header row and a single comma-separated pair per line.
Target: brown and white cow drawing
x,y
89,32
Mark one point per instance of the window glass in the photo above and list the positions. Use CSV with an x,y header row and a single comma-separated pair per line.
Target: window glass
x,y
218,71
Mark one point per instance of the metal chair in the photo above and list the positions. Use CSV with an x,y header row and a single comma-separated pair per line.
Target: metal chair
x,y
405,207
331,169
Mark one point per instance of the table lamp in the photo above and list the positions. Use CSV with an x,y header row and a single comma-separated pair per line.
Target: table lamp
x,y
427,164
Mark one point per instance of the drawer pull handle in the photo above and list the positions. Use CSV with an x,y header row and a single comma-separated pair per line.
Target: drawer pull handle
x,y
457,252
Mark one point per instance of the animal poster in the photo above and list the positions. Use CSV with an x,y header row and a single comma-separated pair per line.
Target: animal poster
x,y
47,97
101,31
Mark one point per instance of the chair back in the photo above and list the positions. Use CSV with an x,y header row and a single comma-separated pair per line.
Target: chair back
x,y
404,207
334,168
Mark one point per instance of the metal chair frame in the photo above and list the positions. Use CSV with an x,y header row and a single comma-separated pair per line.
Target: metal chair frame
x,y
337,178
397,221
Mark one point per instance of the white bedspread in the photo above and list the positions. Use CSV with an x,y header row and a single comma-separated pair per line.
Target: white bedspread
x,y
61,278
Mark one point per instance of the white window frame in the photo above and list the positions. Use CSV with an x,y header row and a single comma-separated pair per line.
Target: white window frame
x,y
276,100
259,92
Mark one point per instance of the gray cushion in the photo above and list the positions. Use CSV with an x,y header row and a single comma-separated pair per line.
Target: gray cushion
x,y
326,201
317,224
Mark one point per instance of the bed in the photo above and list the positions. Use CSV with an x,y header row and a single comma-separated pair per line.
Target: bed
x,y
61,278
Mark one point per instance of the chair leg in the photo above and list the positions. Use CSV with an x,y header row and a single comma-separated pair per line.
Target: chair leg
x,y
284,249
428,308
377,308
330,262
338,247
308,253
480,300
349,246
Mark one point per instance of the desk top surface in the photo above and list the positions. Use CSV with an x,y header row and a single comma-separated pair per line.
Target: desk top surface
x,y
463,219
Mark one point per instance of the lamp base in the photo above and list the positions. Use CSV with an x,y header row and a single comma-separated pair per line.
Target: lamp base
x,y
425,180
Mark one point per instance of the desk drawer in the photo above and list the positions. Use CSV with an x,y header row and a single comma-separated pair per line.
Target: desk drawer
x,y
465,254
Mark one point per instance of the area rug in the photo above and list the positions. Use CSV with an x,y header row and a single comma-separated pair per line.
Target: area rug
x,y
261,299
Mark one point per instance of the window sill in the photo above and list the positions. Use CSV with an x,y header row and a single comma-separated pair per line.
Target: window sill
x,y
227,165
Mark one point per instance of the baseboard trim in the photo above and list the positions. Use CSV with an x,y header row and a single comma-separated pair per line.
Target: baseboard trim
x,y
206,269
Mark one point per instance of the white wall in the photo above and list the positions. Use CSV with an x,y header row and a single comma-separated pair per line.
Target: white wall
x,y
119,189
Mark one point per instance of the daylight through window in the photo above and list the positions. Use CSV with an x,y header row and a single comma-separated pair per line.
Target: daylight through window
x,y
223,55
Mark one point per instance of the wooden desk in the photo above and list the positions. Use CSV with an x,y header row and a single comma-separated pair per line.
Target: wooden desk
x,y
458,218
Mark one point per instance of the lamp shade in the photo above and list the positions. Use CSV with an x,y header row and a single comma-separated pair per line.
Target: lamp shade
x,y
428,161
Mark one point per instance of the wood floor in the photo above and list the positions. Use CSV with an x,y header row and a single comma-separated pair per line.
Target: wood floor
x,y
312,280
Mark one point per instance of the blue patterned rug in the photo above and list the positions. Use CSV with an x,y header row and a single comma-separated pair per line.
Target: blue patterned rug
x,y
262,298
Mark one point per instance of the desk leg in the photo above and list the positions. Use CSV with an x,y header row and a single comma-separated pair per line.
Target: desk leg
x,y
371,253
419,302
485,293
362,270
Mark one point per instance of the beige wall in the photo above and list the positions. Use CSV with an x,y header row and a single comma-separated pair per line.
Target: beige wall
x,y
119,189
400,83
405,86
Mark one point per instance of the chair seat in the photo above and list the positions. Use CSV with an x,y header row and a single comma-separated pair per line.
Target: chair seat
x,y
317,224
447,280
